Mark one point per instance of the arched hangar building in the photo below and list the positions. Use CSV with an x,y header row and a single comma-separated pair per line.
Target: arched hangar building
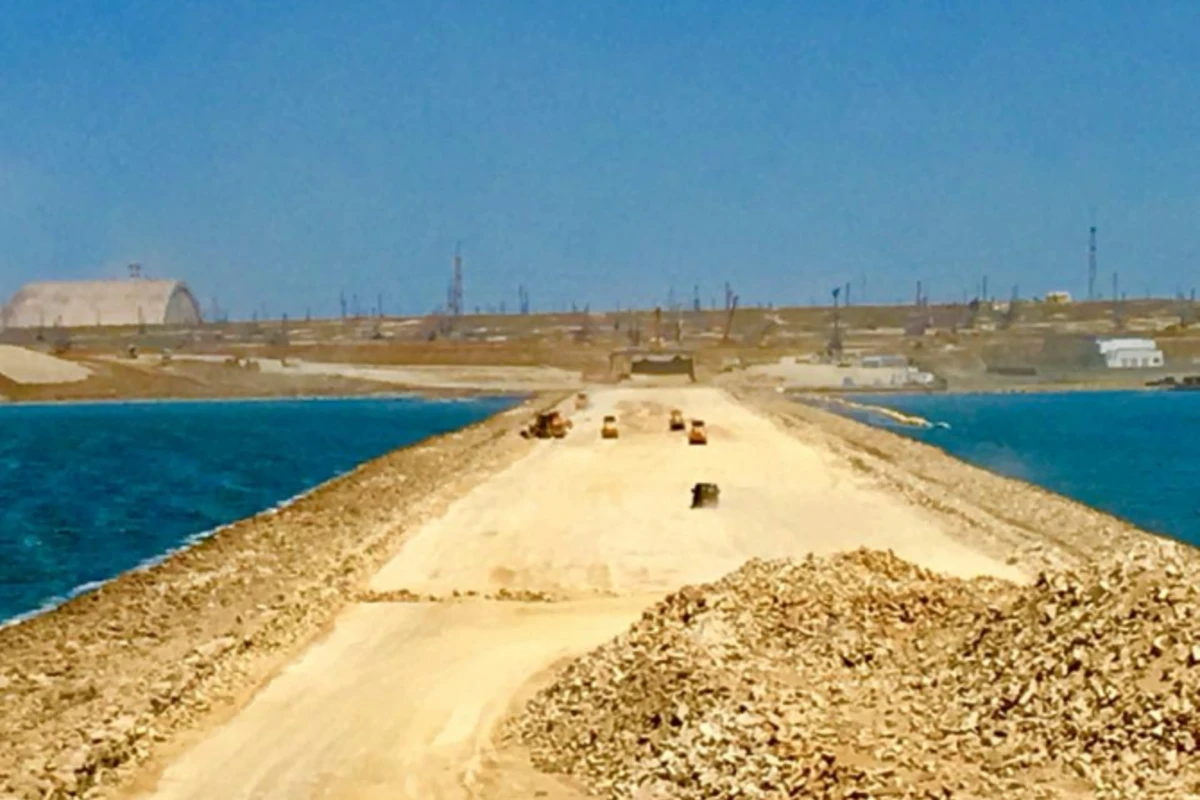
x,y
86,304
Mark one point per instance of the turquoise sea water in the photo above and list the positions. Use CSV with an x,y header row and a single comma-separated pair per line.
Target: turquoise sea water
x,y
88,491
1135,455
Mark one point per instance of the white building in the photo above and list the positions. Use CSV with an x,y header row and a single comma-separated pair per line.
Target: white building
x,y
1130,353
83,304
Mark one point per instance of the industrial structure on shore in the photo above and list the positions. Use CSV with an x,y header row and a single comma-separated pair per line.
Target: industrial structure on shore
x,y
103,303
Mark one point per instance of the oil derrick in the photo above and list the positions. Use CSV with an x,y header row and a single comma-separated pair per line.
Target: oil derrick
x,y
972,316
584,332
1010,316
523,299
833,348
455,306
731,309
1187,311
1118,319
696,298
1091,295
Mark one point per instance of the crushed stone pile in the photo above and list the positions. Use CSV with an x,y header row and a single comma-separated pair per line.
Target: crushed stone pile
x,y
863,676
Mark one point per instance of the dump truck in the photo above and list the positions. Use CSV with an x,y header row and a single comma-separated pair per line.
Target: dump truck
x,y
698,434
677,423
609,429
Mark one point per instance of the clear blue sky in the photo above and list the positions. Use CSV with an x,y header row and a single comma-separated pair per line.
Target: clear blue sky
x,y
278,152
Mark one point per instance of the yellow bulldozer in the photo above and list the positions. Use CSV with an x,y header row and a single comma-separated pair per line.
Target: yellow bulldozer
x,y
698,434
608,430
676,423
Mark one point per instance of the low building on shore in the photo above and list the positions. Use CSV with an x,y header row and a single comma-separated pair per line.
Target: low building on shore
x,y
1070,351
1130,353
105,303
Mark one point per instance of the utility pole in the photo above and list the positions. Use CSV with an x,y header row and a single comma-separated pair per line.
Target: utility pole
x,y
696,297
342,302
919,296
983,294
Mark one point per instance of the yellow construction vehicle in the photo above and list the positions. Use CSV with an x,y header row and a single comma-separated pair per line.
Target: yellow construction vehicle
x,y
698,434
581,401
706,495
547,425
609,429
677,423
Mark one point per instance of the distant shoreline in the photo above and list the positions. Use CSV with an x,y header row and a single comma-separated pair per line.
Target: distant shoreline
x,y
416,394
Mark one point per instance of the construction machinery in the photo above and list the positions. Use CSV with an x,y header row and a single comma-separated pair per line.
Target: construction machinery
x,y
706,495
676,423
698,434
581,401
547,425
608,430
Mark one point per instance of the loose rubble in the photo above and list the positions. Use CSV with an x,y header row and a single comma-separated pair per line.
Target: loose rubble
x,y
864,676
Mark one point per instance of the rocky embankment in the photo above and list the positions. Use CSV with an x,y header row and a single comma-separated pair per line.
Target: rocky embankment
x,y
1008,519
93,688
863,676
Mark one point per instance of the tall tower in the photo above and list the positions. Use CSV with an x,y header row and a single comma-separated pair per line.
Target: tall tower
x,y
456,290
1091,295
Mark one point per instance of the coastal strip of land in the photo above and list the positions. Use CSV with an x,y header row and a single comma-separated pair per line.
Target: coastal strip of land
x,y
1007,518
463,571
91,689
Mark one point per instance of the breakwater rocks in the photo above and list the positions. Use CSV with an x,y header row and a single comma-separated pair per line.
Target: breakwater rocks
x,y
863,676
93,688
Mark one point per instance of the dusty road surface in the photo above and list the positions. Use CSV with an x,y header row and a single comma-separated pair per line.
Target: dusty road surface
x,y
401,699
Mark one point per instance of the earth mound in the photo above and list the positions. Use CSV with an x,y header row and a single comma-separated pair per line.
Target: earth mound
x,y
861,675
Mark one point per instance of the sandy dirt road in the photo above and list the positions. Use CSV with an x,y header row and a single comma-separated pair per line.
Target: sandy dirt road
x,y
401,699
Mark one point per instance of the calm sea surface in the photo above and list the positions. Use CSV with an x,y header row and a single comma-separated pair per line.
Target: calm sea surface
x,y
1133,454
88,491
